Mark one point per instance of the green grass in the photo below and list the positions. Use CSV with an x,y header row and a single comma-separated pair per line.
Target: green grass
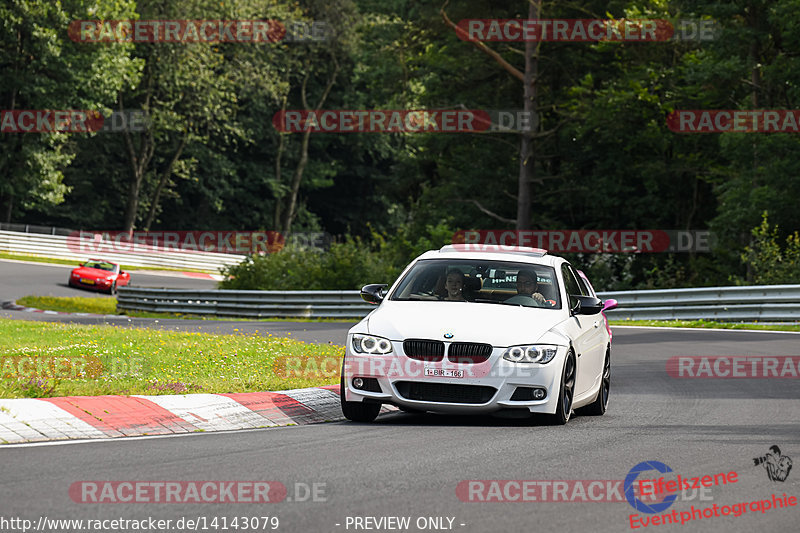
x,y
56,261
705,324
39,359
73,304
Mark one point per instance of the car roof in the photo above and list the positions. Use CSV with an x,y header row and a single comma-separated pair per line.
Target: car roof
x,y
491,252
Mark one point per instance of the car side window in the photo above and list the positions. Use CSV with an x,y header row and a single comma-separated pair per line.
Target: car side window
x,y
582,284
571,284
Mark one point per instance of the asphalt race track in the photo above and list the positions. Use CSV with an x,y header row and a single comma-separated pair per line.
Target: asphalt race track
x,y
18,279
21,279
410,465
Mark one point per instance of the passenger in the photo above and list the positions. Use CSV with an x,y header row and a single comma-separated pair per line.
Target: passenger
x,y
454,285
527,285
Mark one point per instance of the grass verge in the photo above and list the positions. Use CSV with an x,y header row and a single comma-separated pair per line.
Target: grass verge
x,y
705,324
72,304
42,359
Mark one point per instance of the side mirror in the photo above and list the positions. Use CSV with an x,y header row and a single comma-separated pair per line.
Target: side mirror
x,y
586,305
609,304
374,293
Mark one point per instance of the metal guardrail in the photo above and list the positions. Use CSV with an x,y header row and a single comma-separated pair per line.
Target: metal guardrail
x,y
32,228
250,304
72,248
762,303
777,303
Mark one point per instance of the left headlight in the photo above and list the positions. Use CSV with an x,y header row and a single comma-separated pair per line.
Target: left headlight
x,y
370,344
530,353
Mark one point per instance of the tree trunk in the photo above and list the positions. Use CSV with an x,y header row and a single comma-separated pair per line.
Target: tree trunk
x,y
139,162
290,210
161,182
277,214
527,161
529,80
9,208
132,205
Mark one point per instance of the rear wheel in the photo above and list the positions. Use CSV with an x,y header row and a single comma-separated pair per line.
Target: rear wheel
x,y
358,411
566,392
600,404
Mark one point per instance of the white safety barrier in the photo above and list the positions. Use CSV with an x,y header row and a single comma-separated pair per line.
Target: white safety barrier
x,y
134,254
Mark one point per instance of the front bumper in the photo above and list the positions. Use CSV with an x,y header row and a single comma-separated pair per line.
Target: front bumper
x,y
98,284
484,387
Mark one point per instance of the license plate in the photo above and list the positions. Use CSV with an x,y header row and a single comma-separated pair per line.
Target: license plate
x,y
444,372
87,281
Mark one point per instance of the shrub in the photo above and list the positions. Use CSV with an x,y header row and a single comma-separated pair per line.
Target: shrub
x,y
768,262
347,265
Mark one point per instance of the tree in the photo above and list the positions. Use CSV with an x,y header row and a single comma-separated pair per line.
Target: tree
x,y
44,70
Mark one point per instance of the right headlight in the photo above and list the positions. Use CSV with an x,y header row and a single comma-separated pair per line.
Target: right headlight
x,y
371,345
530,353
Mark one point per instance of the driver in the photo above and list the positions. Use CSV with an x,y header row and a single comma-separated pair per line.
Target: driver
x,y
528,286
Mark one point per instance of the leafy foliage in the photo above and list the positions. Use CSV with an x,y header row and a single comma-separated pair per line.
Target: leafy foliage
x,y
771,263
603,159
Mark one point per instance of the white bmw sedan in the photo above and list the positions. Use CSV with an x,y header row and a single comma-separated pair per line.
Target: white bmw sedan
x,y
489,331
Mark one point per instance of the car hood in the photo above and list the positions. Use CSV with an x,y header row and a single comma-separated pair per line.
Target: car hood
x,y
498,325
86,272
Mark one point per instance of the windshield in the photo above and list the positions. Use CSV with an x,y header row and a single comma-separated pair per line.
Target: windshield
x,y
480,281
101,266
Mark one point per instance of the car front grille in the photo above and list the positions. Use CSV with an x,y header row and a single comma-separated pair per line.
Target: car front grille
x,y
444,392
423,350
469,352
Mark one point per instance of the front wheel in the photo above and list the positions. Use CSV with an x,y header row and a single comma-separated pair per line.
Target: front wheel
x,y
358,411
600,404
566,392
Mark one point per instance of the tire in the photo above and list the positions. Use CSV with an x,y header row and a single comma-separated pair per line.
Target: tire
x,y
566,392
358,411
113,289
600,404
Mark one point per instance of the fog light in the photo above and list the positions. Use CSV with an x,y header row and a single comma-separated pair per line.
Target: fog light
x,y
538,394
358,383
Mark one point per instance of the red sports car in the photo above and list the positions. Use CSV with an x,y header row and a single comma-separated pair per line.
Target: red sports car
x,y
99,275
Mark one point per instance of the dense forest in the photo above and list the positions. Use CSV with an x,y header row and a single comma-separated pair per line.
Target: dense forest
x,y
600,153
